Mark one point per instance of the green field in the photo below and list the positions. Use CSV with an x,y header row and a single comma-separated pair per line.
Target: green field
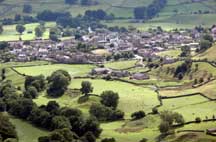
x,y
120,64
74,70
10,34
132,98
191,107
26,132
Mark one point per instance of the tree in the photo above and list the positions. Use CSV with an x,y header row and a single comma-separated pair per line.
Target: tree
x,y
31,93
208,37
1,29
86,87
61,135
139,12
110,99
71,2
164,127
204,45
58,83
60,122
39,30
27,8
6,128
38,82
20,28
108,140
86,2
138,115
143,140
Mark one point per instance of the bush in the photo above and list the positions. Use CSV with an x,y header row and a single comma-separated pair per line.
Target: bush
x,y
154,110
108,140
198,120
143,140
138,115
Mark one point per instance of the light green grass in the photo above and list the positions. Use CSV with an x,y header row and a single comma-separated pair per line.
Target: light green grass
x,y
26,132
10,34
132,98
73,70
174,53
191,107
120,64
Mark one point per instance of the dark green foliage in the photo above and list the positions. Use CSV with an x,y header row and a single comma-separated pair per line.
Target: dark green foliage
x,y
96,14
7,130
164,127
168,119
58,83
71,2
108,140
62,135
88,137
104,113
182,69
140,12
27,8
20,28
39,30
138,115
60,122
48,15
151,11
31,93
143,140
1,29
110,99
21,107
3,45
38,82
86,87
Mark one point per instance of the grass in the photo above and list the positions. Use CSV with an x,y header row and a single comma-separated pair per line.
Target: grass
x,y
208,54
190,107
132,98
101,52
131,133
174,53
26,132
120,64
74,70
10,34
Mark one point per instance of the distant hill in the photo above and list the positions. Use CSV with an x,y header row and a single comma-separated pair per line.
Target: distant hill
x,y
176,14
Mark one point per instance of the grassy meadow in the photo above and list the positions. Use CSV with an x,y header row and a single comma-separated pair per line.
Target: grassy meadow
x,y
74,70
10,33
26,132
121,64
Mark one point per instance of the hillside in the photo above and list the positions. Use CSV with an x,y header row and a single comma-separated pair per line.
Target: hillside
x,y
208,54
176,14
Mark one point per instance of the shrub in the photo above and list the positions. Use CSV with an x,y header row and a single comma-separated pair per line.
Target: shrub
x,y
198,119
138,115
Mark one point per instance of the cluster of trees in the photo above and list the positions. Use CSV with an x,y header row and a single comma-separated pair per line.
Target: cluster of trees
x,y
186,52
7,130
58,83
48,15
150,11
169,118
50,116
27,8
39,30
82,2
182,69
107,110
98,15
121,55
205,43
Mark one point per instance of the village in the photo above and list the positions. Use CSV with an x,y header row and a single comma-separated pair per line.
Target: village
x,y
141,44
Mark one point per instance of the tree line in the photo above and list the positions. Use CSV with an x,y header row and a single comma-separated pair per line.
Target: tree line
x,y
150,11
